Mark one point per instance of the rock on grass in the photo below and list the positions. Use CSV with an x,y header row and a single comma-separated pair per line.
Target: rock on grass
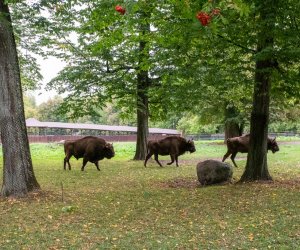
x,y
212,172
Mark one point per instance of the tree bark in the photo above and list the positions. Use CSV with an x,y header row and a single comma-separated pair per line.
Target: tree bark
x,y
257,167
143,83
233,127
18,175
142,117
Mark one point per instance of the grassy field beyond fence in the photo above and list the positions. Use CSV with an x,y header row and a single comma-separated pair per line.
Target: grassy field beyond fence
x,y
128,206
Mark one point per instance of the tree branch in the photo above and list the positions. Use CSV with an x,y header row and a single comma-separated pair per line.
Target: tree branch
x,y
123,67
236,44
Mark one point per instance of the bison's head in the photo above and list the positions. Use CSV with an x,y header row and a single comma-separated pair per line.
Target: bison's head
x,y
272,145
190,146
109,151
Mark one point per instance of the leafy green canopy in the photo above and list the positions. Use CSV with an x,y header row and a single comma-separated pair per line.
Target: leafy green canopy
x,y
26,40
202,69
230,55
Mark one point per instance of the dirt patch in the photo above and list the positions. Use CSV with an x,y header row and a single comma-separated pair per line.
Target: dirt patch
x,y
222,143
181,163
189,183
215,143
289,142
192,183
183,183
34,196
289,183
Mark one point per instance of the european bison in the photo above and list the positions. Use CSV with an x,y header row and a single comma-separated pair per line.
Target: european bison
x,y
171,145
241,144
89,148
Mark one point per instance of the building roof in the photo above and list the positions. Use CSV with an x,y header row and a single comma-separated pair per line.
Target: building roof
x,y
32,122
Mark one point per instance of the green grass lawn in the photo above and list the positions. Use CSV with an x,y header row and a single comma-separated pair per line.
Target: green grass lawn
x,y
128,206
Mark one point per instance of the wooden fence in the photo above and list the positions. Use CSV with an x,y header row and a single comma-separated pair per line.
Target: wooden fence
x,y
124,138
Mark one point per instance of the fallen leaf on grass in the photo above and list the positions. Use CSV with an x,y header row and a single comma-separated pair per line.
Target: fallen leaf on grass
x,y
251,236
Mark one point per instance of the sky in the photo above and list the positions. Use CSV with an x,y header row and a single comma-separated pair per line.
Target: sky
x,y
49,69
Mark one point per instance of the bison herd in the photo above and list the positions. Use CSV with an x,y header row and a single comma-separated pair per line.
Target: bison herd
x,y
94,149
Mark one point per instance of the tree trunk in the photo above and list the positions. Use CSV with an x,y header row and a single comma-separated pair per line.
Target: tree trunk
x,y
257,167
143,83
18,175
142,118
233,127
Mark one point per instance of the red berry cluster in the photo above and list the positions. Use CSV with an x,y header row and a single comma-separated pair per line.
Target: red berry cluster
x,y
120,9
205,18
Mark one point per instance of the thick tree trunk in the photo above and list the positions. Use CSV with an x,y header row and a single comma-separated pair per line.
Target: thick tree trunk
x,y
143,83
142,119
233,127
18,175
257,167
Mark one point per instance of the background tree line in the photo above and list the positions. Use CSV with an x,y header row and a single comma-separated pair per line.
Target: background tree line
x,y
281,120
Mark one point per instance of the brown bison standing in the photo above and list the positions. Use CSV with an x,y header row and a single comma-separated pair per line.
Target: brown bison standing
x,y
241,144
171,145
89,148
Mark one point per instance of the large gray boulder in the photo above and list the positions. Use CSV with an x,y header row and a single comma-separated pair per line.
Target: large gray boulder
x,y
211,172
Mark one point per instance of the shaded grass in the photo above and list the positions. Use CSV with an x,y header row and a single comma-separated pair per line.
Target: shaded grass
x,y
127,206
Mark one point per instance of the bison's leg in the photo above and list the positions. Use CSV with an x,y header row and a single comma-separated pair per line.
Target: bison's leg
x,y
172,159
226,155
84,163
156,159
176,159
232,158
66,160
97,165
147,158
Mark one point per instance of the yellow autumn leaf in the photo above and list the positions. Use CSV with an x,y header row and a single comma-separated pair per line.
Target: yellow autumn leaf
x,y
251,236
